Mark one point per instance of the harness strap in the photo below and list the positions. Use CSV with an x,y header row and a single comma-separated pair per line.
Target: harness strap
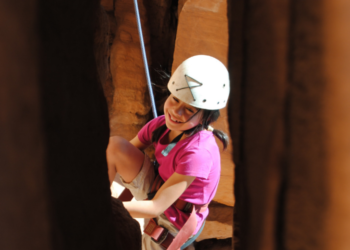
x,y
157,183
161,235
171,145
185,232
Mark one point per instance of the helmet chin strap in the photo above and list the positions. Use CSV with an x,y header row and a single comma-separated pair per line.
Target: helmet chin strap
x,y
193,116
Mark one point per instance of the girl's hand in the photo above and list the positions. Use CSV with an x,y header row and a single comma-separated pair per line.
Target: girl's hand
x,y
171,190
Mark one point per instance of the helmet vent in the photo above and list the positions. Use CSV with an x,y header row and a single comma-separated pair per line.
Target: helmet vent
x,y
173,82
224,85
218,102
204,100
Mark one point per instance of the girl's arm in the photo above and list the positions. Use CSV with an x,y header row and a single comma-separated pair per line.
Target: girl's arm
x,y
171,190
137,143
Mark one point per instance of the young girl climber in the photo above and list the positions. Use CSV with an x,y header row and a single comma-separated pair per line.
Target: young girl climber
x,y
187,156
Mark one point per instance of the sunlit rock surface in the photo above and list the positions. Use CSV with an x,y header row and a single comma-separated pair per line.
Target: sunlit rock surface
x,y
130,106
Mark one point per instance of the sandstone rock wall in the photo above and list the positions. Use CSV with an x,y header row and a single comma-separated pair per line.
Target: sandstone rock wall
x,y
126,86
131,103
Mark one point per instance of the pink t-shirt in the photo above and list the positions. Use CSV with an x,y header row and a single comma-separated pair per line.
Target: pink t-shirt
x,y
197,155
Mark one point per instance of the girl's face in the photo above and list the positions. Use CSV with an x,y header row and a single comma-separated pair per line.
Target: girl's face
x,y
178,114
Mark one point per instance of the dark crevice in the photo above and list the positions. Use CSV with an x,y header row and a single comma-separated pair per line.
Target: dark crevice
x,y
238,25
284,164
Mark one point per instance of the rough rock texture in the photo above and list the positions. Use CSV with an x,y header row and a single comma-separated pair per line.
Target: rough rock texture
x,y
289,62
218,223
337,121
126,87
102,52
214,244
203,29
131,103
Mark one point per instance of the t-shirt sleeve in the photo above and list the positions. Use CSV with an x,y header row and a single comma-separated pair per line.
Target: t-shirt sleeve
x,y
145,134
195,162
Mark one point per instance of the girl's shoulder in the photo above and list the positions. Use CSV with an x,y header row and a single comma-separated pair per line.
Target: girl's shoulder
x,y
199,157
204,142
157,122
153,124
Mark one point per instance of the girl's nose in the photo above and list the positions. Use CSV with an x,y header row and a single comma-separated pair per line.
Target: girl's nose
x,y
178,110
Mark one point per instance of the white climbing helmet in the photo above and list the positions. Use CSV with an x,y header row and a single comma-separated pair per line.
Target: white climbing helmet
x,y
201,81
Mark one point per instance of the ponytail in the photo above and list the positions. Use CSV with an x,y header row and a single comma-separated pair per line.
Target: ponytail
x,y
222,137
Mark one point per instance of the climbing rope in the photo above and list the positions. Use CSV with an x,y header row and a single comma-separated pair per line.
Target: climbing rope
x,y
144,57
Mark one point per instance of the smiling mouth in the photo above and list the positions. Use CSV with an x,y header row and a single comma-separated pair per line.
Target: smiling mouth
x,y
173,120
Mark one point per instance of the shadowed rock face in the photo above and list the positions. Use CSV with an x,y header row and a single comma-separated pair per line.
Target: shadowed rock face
x,y
76,129
127,230
54,132
24,215
287,62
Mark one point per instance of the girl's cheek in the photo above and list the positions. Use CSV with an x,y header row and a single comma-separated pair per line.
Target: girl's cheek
x,y
166,104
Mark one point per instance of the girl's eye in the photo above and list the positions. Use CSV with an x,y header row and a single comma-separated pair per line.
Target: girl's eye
x,y
176,100
190,110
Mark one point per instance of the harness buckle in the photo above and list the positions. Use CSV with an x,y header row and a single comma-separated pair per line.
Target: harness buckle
x,y
162,237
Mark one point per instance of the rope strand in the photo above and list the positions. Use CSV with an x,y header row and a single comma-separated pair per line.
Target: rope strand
x,y
144,57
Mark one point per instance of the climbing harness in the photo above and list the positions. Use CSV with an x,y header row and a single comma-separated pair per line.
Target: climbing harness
x,y
144,57
184,237
161,235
